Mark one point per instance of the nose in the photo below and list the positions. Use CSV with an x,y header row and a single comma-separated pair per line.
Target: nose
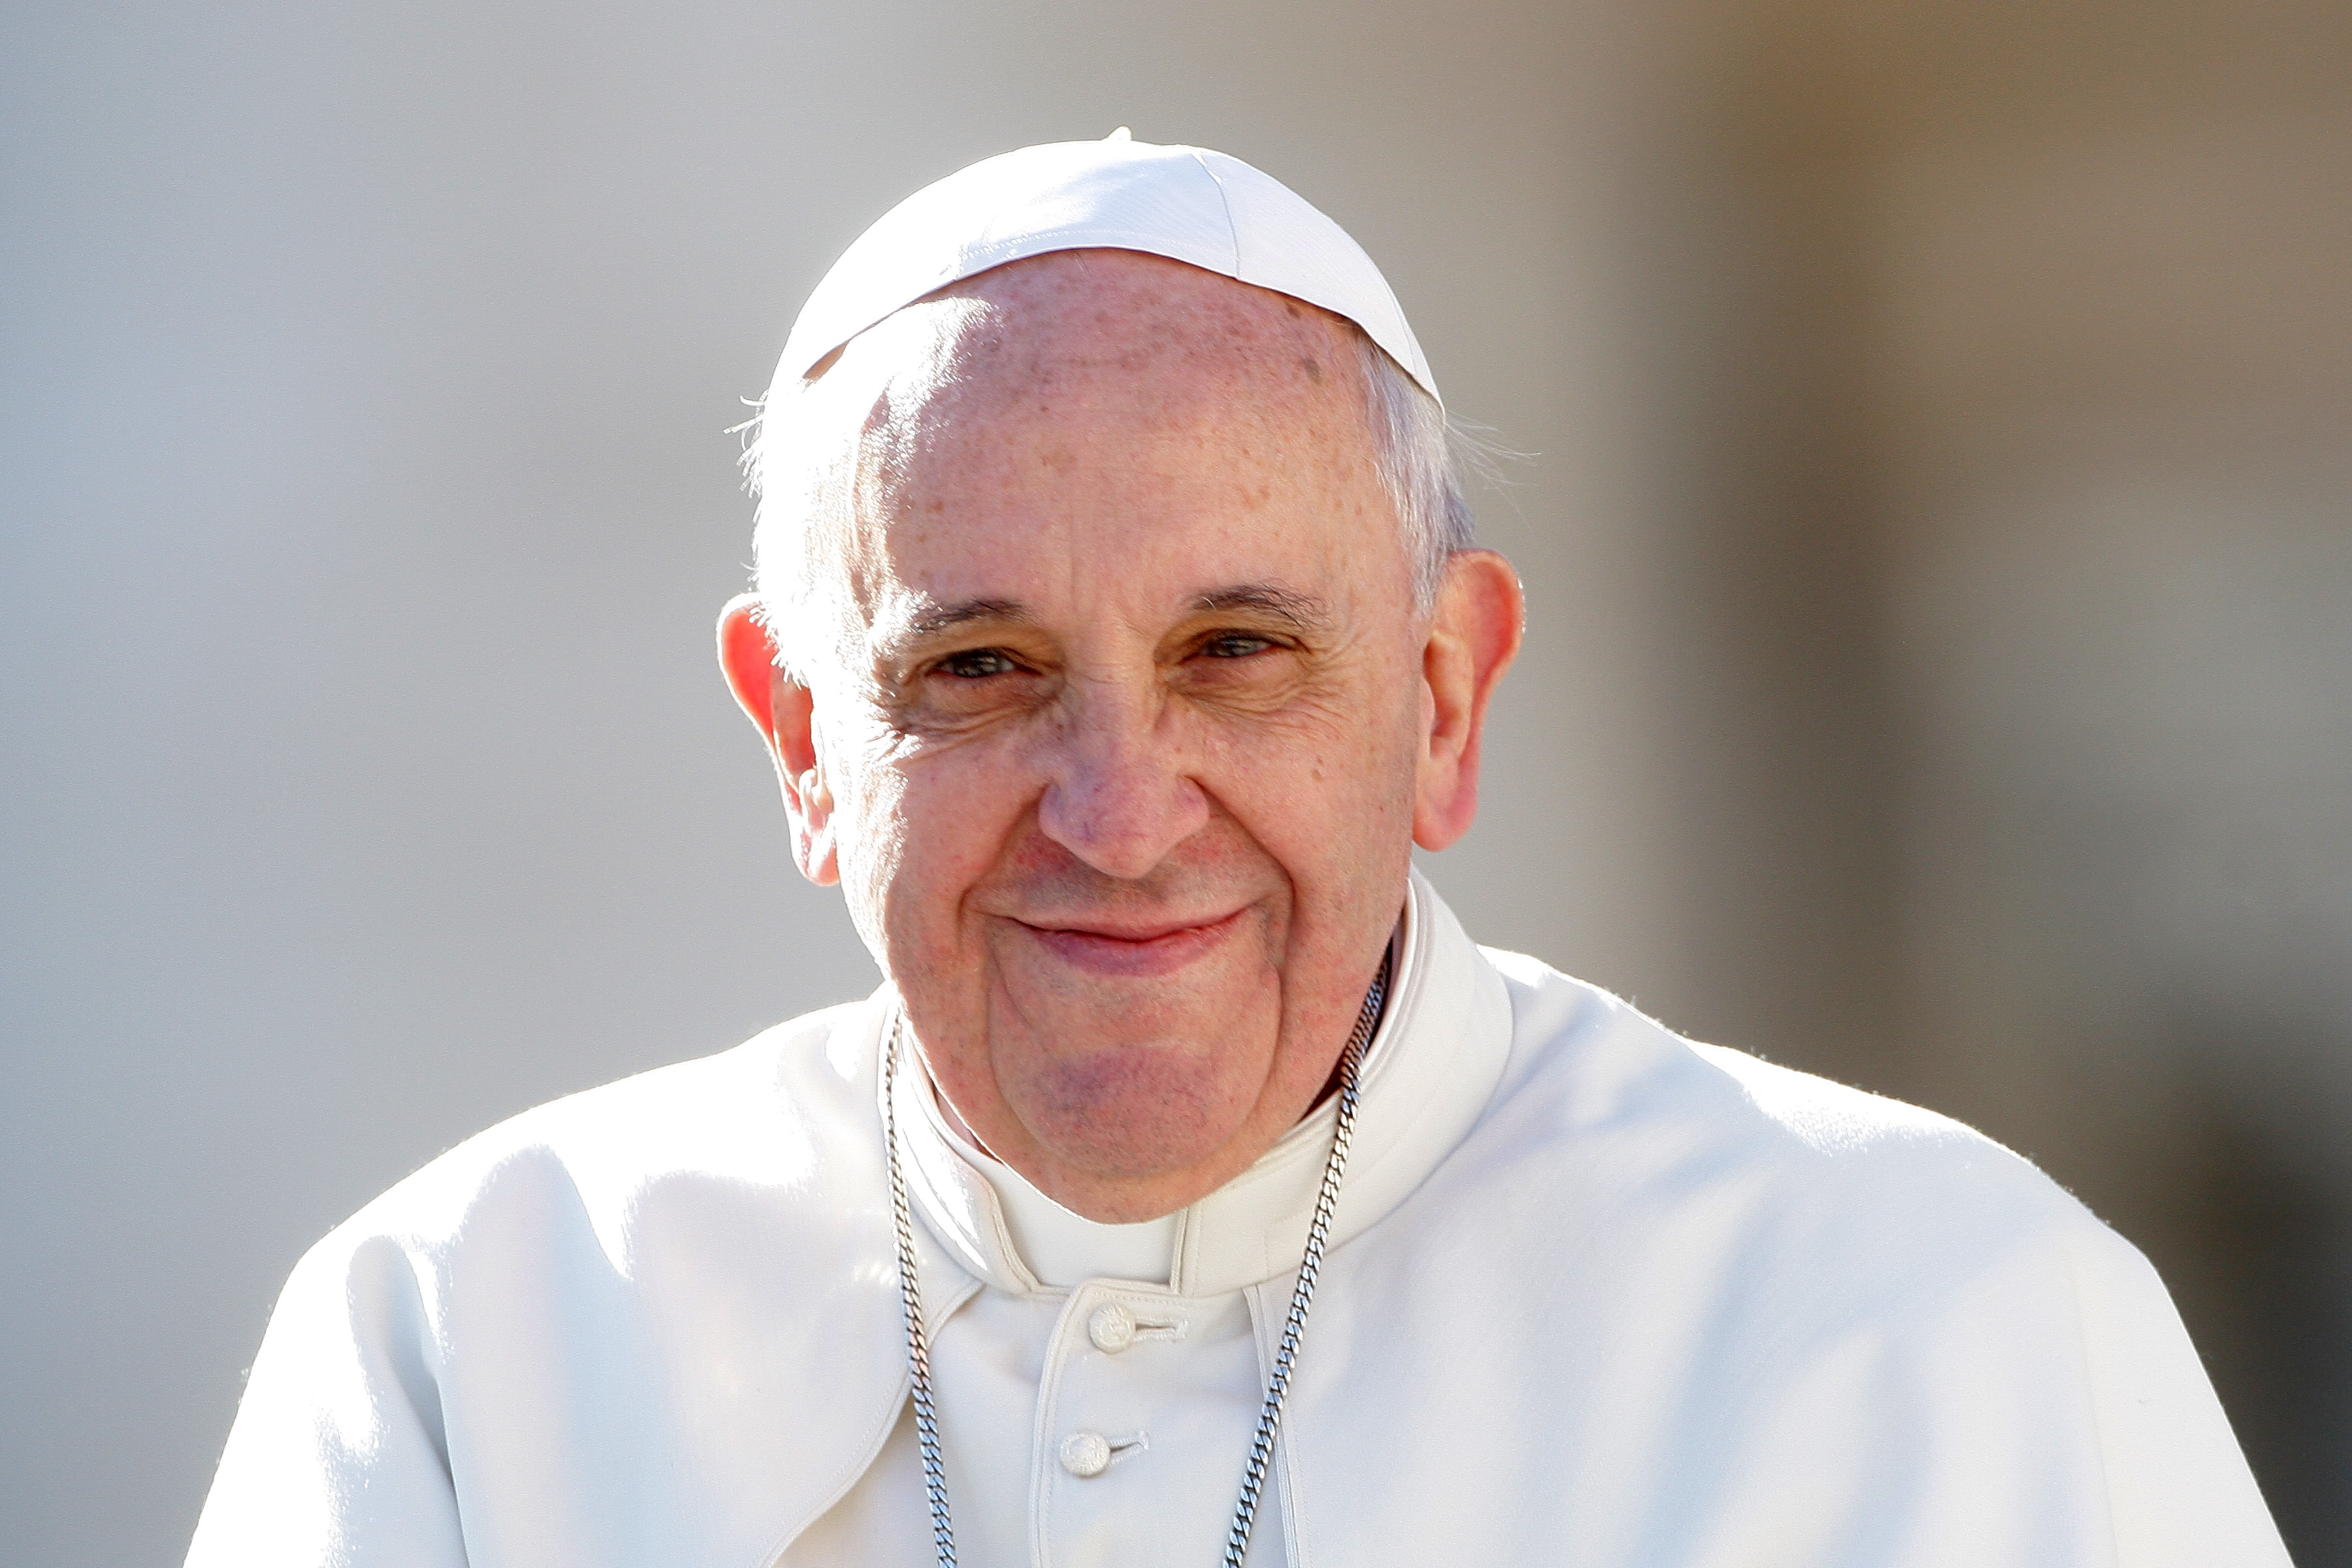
x,y
1118,795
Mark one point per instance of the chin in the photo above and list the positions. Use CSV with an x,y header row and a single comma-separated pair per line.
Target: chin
x,y
1133,1112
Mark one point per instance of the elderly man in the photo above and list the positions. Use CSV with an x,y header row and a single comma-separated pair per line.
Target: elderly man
x,y
1117,635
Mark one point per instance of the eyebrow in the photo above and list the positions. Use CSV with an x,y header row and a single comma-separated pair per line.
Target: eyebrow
x,y
1300,612
931,622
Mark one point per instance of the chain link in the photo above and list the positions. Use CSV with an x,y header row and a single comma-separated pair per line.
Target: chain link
x,y
919,1348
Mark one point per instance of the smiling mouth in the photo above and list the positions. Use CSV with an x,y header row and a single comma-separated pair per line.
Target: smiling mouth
x,y
1133,950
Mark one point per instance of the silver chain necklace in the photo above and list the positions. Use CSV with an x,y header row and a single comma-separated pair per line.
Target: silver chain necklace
x,y
1277,1385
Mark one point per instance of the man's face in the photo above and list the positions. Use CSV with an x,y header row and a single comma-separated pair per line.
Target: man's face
x,y
1120,753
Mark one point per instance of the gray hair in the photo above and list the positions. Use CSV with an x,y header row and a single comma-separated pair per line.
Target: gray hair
x,y
1415,450
1417,453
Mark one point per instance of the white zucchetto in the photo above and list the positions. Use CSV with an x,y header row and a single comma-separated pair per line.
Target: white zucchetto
x,y
1188,204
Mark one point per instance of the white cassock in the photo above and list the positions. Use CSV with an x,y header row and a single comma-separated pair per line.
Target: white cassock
x,y
1597,1296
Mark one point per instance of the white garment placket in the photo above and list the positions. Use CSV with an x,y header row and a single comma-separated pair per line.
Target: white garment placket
x,y
1138,1450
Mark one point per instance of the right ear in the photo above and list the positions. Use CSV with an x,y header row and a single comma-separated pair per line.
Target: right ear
x,y
784,712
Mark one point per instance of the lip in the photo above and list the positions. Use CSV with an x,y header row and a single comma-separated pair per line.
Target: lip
x,y
1112,949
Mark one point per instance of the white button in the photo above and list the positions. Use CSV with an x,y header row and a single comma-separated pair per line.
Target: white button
x,y
1112,1328
1086,1454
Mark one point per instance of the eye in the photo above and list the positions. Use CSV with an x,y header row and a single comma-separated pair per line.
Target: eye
x,y
1235,645
978,664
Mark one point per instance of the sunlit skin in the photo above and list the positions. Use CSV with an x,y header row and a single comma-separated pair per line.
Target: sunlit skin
x,y
1134,720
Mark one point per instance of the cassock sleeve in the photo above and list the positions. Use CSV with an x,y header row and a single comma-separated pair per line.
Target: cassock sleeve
x,y
2177,1487
338,1455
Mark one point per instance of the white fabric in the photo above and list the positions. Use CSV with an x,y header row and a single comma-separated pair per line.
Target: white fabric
x,y
1188,204
1658,1305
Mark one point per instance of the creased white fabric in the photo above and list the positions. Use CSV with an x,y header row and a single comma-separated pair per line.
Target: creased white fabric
x,y
1658,1305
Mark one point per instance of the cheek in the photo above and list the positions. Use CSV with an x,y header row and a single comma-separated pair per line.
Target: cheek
x,y
870,847
921,832
1335,778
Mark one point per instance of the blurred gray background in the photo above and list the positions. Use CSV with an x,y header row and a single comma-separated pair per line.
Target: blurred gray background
x,y
1939,541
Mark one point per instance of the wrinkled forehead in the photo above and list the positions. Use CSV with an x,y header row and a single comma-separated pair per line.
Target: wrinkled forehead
x,y
1082,338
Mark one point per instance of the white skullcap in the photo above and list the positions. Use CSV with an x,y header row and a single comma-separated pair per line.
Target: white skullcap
x,y
1184,203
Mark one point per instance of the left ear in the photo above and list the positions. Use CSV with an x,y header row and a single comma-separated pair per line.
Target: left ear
x,y
1474,634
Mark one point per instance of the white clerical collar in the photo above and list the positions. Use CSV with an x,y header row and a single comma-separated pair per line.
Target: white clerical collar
x,y
1431,1066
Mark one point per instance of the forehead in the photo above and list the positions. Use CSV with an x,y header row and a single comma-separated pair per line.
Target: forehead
x,y
1122,317
1089,339
1105,409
